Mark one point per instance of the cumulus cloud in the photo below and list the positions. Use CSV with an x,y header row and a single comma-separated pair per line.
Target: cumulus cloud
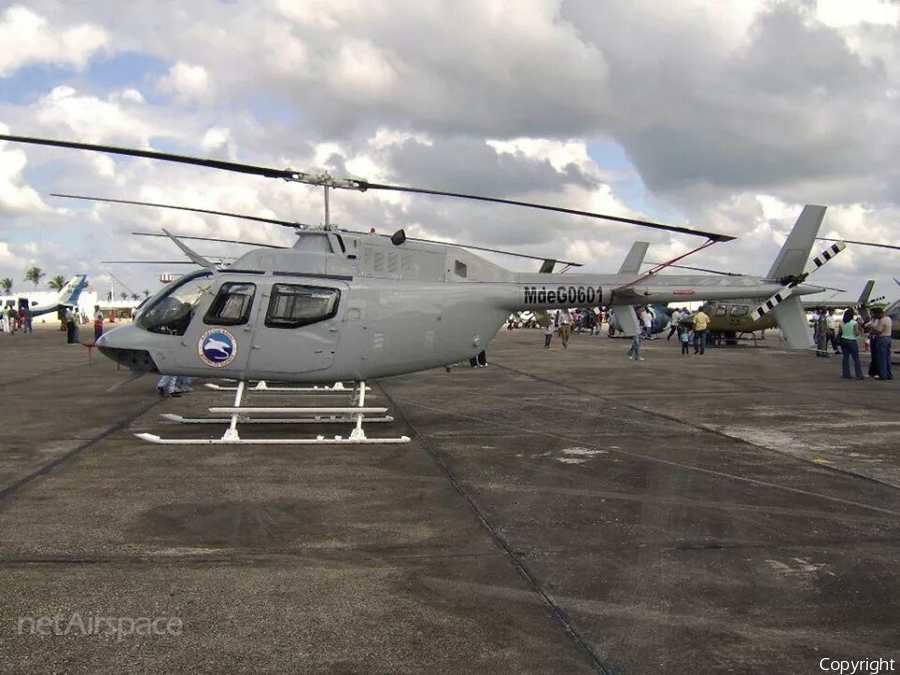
x,y
28,39
16,196
186,81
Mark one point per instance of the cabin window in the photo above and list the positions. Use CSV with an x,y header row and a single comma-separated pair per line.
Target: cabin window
x,y
740,310
460,269
721,310
292,306
231,306
171,313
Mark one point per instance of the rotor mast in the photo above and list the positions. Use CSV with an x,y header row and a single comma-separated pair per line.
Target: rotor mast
x,y
327,213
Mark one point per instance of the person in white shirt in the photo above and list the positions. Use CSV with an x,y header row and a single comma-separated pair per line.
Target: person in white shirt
x,y
565,326
831,331
880,328
673,326
647,323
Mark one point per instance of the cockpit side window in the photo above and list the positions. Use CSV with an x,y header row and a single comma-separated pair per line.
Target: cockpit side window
x,y
721,310
292,305
740,310
171,313
231,306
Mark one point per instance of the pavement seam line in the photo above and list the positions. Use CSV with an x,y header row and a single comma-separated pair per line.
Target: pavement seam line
x,y
52,464
555,610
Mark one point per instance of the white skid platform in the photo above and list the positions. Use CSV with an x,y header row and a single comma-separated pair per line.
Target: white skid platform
x,y
318,440
243,419
297,411
262,387
356,415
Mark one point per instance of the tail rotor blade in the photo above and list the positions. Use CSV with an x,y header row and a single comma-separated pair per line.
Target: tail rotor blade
x,y
771,304
824,257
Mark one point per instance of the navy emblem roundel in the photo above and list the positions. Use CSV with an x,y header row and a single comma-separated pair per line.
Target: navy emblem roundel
x,y
217,347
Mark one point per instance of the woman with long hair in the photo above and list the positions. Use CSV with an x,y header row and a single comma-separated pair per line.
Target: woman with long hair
x,y
849,332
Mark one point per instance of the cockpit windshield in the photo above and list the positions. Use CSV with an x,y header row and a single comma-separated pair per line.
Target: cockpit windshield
x,y
171,314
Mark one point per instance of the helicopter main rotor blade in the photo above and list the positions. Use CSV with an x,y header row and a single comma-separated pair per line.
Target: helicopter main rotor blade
x,y
148,262
861,243
698,269
498,250
259,219
277,222
286,174
715,236
217,240
324,179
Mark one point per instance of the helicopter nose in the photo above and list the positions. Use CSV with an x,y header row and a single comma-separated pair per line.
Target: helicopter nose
x,y
118,345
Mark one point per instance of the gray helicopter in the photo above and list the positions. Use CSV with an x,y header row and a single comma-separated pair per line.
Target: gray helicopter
x,y
351,306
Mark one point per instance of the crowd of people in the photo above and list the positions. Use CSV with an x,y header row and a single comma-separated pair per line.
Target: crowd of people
x,y
13,320
842,339
691,330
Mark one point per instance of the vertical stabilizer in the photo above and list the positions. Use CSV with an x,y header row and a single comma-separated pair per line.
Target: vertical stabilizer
x,y
866,293
791,259
793,323
635,258
625,314
627,320
72,291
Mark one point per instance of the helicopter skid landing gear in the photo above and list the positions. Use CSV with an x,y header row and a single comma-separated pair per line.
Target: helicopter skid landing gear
x,y
356,414
262,387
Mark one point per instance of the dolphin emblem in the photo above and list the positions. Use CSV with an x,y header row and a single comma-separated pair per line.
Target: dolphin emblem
x,y
218,345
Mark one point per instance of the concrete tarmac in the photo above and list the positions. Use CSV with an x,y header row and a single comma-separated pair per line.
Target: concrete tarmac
x,y
561,511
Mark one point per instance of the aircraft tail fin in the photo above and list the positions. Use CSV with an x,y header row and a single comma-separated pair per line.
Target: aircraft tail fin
x,y
793,323
792,258
72,290
635,258
625,314
627,319
866,293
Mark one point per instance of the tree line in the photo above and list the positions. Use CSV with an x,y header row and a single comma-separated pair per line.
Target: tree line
x,y
35,274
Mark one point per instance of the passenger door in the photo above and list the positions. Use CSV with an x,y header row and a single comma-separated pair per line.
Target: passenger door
x,y
297,328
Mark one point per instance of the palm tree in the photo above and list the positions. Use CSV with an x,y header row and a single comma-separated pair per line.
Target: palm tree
x,y
34,275
123,295
57,283
135,297
6,284
146,293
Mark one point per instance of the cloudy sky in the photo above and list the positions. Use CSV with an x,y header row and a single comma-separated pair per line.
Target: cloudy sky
x,y
723,115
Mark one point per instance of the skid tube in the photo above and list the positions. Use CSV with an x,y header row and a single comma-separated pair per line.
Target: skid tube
x,y
356,415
